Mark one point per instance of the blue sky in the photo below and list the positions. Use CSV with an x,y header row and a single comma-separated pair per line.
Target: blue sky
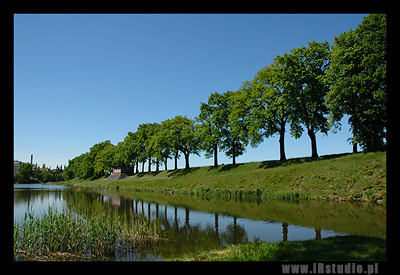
x,y
83,79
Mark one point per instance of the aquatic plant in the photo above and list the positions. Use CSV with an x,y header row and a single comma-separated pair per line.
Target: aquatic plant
x,y
97,236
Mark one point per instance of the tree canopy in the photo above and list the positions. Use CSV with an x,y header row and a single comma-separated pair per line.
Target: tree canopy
x,y
269,106
308,89
303,74
181,133
357,82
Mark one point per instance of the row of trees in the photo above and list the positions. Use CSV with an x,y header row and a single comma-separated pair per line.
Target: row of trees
x,y
152,142
309,89
33,173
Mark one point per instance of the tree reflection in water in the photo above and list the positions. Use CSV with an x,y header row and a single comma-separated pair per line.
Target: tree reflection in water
x,y
188,229
193,224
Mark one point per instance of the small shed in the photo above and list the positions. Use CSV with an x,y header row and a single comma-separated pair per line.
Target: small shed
x,y
123,169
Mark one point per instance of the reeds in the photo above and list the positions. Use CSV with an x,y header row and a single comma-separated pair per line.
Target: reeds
x,y
99,237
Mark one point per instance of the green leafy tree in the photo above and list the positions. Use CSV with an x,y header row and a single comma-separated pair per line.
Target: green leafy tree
x,y
161,145
236,132
92,164
357,79
212,124
168,135
303,77
57,176
98,147
25,173
119,154
85,166
37,173
153,148
270,106
221,124
47,176
105,160
143,138
140,144
70,170
128,151
90,160
182,136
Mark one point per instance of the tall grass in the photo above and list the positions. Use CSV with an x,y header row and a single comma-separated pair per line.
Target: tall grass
x,y
54,233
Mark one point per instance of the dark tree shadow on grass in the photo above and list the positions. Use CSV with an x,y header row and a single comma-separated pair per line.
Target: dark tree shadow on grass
x,y
275,163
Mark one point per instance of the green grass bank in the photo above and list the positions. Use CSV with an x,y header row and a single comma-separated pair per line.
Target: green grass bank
x,y
351,177
339,248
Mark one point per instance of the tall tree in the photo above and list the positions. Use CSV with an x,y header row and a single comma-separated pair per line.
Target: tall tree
x,y
304,73
236,132
143,138
182,135
95,150
270,106
161,146
357,78
212,124
69,171
105,160
127,152
152,129
85,166
168,141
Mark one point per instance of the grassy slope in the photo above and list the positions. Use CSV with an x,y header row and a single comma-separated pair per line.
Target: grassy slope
x,y
348,177
339,248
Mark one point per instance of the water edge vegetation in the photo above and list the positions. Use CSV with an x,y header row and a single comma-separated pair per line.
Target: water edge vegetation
x,y
66,235
311,88
343,177
353,177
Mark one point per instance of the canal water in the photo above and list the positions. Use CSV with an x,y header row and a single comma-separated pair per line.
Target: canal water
x,y
197,223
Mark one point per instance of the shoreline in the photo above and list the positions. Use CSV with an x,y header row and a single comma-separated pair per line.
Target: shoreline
x,y
342,177
347,248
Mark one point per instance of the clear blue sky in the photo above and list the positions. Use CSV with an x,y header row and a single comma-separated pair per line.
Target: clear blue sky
x,y
83,79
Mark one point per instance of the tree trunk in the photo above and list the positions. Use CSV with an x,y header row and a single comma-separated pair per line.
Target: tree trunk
x,y
215,155
311,134
186,160
233,152
149,164
137,166
176,159
143,166
165,163
157,166
282,144
354,144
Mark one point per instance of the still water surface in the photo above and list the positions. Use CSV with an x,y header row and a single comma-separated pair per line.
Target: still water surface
x,y
192,224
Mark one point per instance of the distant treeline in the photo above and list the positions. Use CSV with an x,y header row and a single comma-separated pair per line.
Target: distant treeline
x,y
309,89
28,173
